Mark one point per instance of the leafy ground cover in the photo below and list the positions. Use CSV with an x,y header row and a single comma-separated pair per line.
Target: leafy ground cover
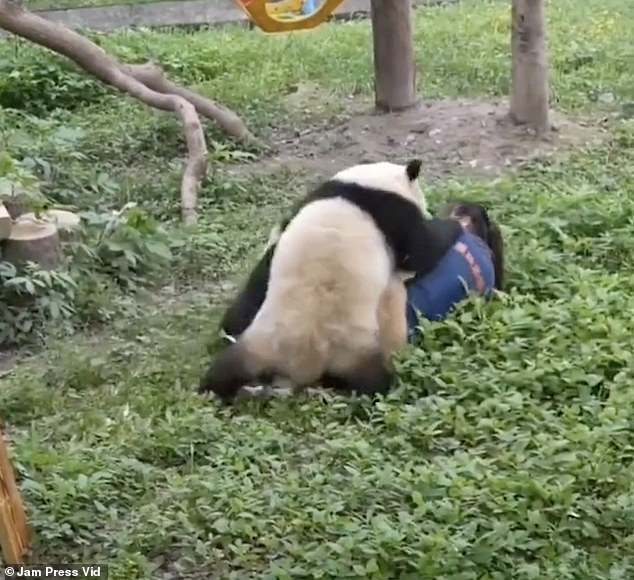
x,y
507,450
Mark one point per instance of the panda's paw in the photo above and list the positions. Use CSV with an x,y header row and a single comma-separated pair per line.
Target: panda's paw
x,y
256,392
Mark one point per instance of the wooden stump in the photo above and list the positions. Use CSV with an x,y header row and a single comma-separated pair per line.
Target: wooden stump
x,y
5,223
15,535
67,222
33,241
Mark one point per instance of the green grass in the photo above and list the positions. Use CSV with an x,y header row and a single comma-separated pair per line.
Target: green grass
x,y
507,450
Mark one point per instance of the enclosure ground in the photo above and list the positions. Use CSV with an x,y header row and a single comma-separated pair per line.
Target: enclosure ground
x,y
507,450
453,137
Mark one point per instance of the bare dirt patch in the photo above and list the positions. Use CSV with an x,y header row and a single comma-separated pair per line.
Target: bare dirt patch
x,y
452,137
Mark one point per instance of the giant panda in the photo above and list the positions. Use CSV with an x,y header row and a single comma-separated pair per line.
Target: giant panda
x,y
311,309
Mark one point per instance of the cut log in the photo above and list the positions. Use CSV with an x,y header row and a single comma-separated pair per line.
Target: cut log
x,y
34,242
5,223
67,222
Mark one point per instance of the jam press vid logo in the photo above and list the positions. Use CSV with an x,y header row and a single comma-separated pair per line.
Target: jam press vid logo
x,y
53,572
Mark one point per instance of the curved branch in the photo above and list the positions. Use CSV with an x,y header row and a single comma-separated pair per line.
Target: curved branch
x,y
153,76
96,62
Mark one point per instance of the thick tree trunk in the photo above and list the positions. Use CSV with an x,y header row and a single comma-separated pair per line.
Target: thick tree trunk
x,y
529,92
394,62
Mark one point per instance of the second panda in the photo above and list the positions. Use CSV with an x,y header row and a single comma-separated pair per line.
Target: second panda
x,y
311,312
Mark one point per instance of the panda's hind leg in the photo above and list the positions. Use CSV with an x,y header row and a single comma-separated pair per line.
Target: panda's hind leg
x,y
392,318
369,375
227,373
239,365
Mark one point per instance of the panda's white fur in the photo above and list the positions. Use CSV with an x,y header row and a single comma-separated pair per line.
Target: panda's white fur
x,y
333,283
327,276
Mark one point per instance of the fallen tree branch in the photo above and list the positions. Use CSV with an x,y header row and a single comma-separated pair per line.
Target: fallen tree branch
x,y
95,61
153,77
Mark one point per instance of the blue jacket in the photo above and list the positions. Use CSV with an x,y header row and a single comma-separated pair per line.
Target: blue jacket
x,y
467,267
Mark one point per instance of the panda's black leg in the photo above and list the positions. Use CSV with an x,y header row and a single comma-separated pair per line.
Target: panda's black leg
x,y
335,382
240,314
232,369
371,376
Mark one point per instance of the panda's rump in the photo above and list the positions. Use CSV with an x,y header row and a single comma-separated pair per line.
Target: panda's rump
x,y
328,274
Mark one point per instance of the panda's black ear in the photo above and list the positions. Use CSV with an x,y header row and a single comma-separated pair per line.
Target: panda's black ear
x,y
413,169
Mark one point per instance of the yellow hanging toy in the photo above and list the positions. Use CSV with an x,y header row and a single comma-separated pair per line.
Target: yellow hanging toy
x,y
288,15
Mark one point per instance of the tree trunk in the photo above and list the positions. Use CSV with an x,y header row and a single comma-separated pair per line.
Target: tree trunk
x,y
394,62
529,92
